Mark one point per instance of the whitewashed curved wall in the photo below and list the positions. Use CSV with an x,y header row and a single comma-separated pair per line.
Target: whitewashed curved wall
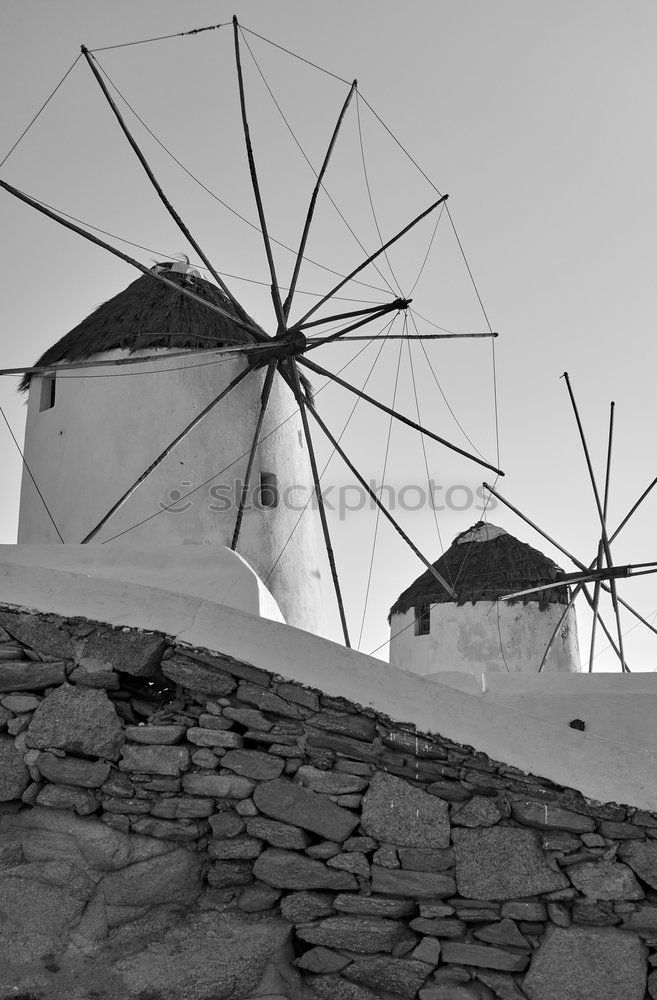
x,y
103,432
473,639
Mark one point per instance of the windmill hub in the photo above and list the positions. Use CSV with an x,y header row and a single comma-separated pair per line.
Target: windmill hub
x,y
289,345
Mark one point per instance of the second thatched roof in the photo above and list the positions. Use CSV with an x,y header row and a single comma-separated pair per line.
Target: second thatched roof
x,y
149,314
483,564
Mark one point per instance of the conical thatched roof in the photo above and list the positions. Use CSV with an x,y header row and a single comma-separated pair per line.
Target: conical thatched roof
x,y
147,315
482,564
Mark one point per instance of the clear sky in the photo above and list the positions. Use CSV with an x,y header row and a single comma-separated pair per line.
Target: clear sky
x,y
537,118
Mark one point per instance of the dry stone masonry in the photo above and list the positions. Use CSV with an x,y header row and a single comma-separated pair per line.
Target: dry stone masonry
x,y
177,824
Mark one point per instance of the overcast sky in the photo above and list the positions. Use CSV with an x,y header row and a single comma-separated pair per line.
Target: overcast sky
x,y
536,118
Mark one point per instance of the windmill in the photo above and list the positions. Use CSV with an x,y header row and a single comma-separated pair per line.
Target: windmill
x,y
283,352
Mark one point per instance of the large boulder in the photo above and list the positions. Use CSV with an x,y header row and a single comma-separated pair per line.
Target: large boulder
x,y
587,963
503,862
395,812
14,775
79,720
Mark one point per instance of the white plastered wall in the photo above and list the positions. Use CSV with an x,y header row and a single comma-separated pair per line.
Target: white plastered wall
x,y
486,637
105,430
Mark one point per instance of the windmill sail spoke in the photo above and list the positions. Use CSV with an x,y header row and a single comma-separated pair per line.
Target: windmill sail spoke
x,y
398,416
441,580
313,201
294,382
370,259
601,512
266,390
160,458
152,178
157,276
275,290
337,317
598,562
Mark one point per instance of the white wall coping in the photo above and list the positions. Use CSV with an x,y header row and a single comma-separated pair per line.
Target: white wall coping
x,y
604,768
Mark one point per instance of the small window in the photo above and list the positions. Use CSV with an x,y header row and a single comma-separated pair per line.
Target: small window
x,y
422,619
268,490
47,398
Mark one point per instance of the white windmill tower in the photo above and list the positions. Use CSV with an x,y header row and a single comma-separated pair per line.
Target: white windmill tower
x,y
119,450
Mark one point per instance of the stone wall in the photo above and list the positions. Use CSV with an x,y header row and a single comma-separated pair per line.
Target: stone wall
x,y
176,824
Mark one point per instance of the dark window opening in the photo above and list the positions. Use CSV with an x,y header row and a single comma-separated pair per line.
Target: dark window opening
x,y
268,490
423,619
47,398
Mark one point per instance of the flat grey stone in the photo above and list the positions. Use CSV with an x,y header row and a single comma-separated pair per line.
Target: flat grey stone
x,y
249,717
198,676
299,695
351,861
464,953
27,675
226,824
605,880
288,870
403,976
126,806
80,720
235,847
426,860
214,737
152,759
395,812
502,983
330,782
416,885
282,799
524,909
502,862
24,703
267,701
504,933
73,770
278,834
253,764
229,873
42,633
300,907
376,906
162,735
14,775
364,935
330,987
165,829
548,816
641,856
183,807
440,927
356,727
428,951
321,960
218,786
589,963
83,801
479,811
257,897
129,652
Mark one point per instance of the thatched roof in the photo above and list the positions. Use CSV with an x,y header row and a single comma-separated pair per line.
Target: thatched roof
x,y
482,564
148,315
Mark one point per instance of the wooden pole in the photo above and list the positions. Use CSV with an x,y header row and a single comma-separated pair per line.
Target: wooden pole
x,y
152,178
598,562
160,458
311,208
406,336
275,292
311,344
371,258
441,580
393,413
157,276
601,515
264,399
336,317
295,384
